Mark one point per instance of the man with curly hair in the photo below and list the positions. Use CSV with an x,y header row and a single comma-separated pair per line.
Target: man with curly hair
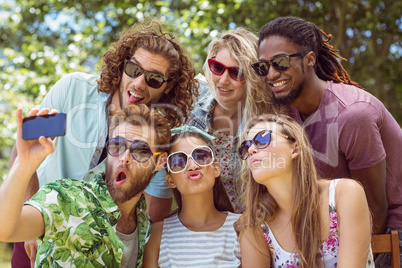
x,y
146,66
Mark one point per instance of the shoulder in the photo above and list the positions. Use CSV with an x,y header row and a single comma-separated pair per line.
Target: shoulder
x,y
348,191
205,98
74,85
82,77
343,186
64,185
78,77
55,196
170,221
232,216
356,103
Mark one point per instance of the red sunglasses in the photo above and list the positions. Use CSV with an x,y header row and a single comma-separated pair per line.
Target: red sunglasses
x,y
218,68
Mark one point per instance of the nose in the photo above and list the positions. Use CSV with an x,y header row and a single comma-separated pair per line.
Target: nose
x,y
272,73
192,165
252,150
126,157
139,82
225,76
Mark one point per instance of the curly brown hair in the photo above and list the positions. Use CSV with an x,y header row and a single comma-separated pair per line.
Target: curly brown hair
x,y
177,104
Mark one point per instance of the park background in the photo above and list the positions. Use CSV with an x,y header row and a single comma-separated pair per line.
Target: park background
x,y
40,41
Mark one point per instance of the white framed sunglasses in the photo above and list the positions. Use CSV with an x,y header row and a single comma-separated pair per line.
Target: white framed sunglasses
x,y
178,161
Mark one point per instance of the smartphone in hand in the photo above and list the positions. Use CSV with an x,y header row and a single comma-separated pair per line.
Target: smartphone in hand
x,y
49,125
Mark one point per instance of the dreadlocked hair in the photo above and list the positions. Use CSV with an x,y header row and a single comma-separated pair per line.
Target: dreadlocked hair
x,y
309,37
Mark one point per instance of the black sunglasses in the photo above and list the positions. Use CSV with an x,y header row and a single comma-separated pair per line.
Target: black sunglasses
x,y
153,80
261,140
139,150
219,68
177,161
280,64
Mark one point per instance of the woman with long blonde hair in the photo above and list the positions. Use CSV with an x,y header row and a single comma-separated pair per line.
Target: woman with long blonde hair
x,y
230,93
293,217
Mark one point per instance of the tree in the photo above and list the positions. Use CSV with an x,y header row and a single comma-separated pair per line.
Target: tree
x,y
42,40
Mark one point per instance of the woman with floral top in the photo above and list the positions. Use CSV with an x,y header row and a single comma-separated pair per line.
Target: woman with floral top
x,y
231,94
293,217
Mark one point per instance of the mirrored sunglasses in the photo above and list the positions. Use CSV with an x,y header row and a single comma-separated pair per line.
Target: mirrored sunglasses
x,y
202,156
139,150
280,64
261,140
153,80
218,68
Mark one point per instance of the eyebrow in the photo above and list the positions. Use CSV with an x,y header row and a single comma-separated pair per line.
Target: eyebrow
x,y
276,56
152,71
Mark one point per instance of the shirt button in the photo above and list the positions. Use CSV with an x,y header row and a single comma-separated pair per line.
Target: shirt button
x,y
98,151
91,172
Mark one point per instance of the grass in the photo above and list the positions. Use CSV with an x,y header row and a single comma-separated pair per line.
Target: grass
x,y
5,255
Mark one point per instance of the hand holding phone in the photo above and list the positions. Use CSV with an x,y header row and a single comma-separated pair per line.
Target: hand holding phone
x,y
48,125
32,150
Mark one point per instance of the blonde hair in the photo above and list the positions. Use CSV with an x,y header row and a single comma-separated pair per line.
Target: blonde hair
x,y
242,46
305,215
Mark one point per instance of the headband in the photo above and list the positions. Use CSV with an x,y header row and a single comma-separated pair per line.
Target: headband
x,y
187,128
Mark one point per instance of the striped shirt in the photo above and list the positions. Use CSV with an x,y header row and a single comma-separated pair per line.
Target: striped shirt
x,y
181,247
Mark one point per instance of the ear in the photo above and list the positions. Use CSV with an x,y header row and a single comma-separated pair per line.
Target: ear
x,y
311,57
161,161
170,181
295,150
217,169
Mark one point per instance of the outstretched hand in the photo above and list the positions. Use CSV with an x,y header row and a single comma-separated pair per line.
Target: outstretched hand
x,y
33,152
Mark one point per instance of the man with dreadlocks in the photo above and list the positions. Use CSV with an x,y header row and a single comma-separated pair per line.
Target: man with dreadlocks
x,y
352,133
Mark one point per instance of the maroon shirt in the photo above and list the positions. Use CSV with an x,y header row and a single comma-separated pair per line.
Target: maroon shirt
x,y
352,129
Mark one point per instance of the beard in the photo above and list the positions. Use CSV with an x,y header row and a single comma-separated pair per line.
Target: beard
x,y
135,184
288,99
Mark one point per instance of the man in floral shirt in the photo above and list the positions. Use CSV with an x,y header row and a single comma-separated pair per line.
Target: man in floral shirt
x,y
102,223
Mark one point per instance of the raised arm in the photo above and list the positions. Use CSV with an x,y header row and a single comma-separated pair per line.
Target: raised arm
x,y
18,222
354,224
33,185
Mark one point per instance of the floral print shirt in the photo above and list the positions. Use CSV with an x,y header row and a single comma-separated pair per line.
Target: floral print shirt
x,y
80,225
328,249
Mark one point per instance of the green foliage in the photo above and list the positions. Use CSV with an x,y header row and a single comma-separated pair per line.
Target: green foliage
x,y
42,40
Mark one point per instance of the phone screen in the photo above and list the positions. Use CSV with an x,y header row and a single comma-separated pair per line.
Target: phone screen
x,y
50,125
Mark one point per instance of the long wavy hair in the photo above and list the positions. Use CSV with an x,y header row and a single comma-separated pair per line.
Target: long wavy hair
x,y
181,72
221,199
309,37
242,46
305,215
